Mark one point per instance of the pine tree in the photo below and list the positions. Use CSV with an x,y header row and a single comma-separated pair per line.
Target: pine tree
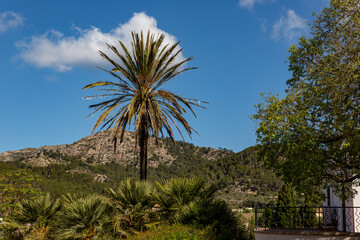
x,y
286,214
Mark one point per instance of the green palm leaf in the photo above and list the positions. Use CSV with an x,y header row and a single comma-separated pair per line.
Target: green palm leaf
x,y
33,219
84,217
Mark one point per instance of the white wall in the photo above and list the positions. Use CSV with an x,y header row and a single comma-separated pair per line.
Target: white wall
x,y
352,215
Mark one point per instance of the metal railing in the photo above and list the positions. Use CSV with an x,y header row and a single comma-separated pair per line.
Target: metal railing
x,y
345,219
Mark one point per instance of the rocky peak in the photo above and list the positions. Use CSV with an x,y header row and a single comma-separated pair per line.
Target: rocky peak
x,y
99,149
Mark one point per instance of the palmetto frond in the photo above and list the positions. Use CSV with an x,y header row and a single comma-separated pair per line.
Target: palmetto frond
x,y
72,197
216,214
131,193
33,217
175,193
84,218
136,97
131,203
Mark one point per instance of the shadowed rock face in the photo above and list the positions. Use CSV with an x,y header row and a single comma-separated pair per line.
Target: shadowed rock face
x,y
99,149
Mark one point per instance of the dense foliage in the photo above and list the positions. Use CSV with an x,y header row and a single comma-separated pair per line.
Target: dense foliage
x,y
15,184
129,210
312,135
284,217
288,213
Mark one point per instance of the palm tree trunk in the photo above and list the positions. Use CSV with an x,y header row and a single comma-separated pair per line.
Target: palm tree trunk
x,y
143,144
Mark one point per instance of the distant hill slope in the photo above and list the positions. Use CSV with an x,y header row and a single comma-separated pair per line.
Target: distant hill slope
x,y
99,149
90,165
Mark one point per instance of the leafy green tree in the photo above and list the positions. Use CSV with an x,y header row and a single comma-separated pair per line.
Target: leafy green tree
x,y
137,96
312,135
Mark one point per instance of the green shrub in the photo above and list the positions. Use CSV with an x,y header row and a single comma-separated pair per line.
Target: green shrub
x,y
15,185
128,211
176,193
215,216
33,219
131,205
85,218
131,193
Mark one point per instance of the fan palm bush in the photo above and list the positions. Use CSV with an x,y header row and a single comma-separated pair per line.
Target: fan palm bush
x,y
85,218
214,215
175,193
33,219
131,193
131,203
192,202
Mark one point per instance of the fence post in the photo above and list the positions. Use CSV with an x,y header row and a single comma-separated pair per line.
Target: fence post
x,y
322,214
344,218
256,223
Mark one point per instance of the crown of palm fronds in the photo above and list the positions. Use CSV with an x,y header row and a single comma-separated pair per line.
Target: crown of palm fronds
x,y
137,95
177,192
217,214
36,217
84,218
131,193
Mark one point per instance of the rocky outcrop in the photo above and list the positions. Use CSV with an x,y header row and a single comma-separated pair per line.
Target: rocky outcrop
x,y
99,149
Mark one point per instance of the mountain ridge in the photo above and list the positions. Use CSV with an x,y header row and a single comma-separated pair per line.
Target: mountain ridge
x,y
98,148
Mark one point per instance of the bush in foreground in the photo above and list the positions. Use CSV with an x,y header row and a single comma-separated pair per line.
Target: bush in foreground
x,y
33,219
175,209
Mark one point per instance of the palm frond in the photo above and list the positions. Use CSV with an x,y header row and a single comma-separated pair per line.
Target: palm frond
x,y
144,70
33,217
84,217
131,193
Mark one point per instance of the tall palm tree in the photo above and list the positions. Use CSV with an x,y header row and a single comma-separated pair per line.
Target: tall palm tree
x,y
137,96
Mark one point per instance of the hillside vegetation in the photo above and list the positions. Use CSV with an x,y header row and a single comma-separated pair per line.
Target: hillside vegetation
x,y
90,165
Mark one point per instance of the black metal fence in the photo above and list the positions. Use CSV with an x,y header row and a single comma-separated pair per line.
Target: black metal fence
x,y
308,218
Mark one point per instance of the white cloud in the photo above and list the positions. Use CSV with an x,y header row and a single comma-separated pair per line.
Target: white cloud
x,y
62,53
10,20
289,27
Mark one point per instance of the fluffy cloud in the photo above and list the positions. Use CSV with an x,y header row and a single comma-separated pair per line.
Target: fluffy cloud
x,y
62,53
10,20
289,27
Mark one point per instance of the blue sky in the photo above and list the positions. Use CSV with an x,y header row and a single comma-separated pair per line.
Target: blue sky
x,y
48,52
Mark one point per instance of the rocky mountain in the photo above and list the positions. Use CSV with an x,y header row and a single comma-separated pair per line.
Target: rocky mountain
x,y
99,149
